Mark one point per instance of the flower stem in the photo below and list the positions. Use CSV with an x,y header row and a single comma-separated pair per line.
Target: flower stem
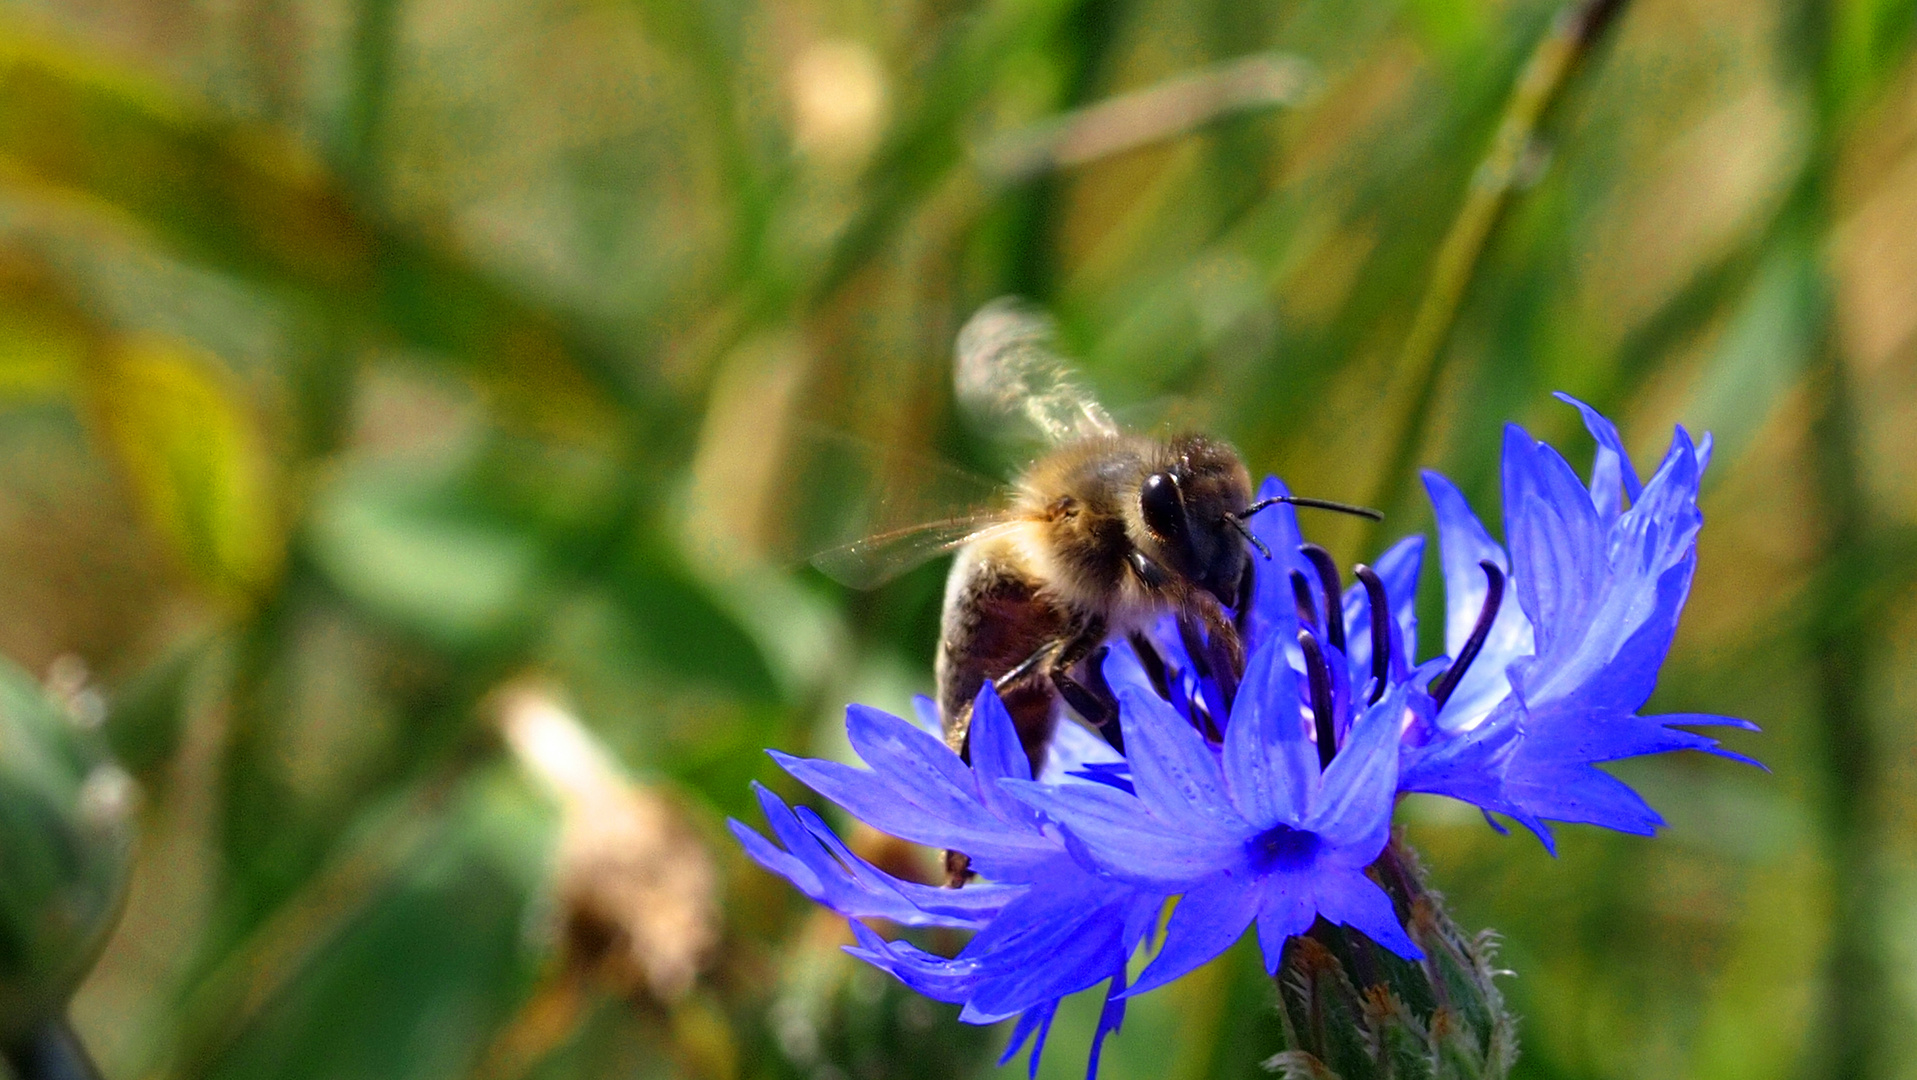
x,y
1855,1021
1420,358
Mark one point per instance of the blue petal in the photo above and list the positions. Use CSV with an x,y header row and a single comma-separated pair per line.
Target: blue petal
x,y
913,761
1274,615
1271,769
1340,671
819,865
1044,946
1612,464
998,755
950,981
1123,668
1557,543
925,713
1076,751
1470,765
1351,899
1206,922
1616,651
1116,774
997,850
1173,770
1582,794
973,904
1034,1023
1353,809
1115,832
1595,735
1462,544
1110,1019
1706,720
1287,911
1274,611
996,751
778,861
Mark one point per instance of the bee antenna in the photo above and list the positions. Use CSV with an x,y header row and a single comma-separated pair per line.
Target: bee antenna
x,y
1245,531
1316,504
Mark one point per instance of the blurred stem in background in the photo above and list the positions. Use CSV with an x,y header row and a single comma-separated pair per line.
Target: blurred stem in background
x,y
1853,1042
1082,51
363,117
1552,64
1843,640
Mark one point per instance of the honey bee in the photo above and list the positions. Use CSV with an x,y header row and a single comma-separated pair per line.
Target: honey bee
x,y
1100,537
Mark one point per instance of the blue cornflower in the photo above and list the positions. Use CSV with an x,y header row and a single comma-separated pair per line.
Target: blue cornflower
x,y
1034,946
1263,803
1250,832
1549,687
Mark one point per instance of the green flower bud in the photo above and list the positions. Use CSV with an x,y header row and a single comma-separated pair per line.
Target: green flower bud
x,y
1354,1011
65,840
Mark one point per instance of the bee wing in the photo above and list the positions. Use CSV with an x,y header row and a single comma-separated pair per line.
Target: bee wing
x,y
864,513
871,562
1007,369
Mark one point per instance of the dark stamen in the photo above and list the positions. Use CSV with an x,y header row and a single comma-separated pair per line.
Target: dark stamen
x,y
1318,675
1334,587
1244,530
1208,661
1316,504
1102,689
1301,595
1380,629
1488,614
1221,670
1206,725
1194,648
1153,664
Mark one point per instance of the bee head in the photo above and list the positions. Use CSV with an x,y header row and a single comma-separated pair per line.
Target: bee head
x,y
1191,508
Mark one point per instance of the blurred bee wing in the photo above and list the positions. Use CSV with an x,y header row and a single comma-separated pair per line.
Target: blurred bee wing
x,y
1007,369
864,513
875,560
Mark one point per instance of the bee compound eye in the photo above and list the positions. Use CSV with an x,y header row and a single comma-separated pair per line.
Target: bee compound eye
x,y
1163,506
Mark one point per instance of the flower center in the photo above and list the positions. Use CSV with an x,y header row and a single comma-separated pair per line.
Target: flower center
x,y
1282,847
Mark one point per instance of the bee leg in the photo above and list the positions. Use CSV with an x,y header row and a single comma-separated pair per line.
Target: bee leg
x,y
1201,657
1154,664
1096,702
1219,653
1146,570
1228,647
1025,668
958,869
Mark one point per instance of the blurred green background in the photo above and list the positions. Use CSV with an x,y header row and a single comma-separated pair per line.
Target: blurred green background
x,y
408,416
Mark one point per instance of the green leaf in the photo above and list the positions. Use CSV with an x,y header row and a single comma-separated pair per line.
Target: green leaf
x,y
194,458
255,204
682,630
403,553
413,986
